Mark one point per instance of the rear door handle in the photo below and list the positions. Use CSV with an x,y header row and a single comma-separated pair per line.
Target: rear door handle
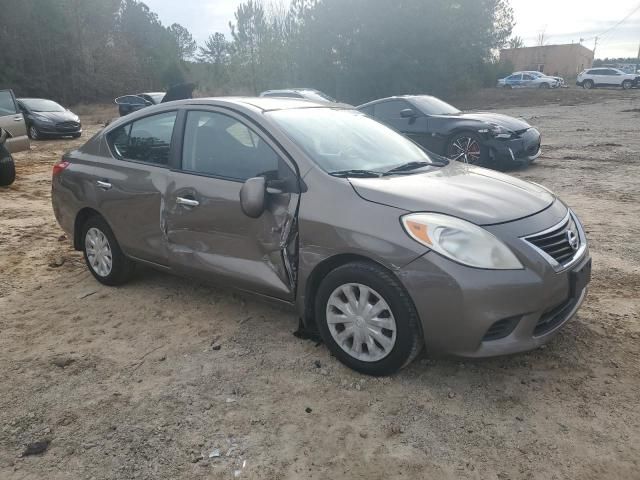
x,y
103,185
187,202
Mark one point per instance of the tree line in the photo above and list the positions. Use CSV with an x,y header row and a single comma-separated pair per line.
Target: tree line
x,y
354,50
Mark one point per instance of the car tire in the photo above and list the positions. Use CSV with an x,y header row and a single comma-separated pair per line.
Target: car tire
x,y
627,84
588,84
7,171
544,86
76,135
508,87
103,255
477,154
390,340
34,133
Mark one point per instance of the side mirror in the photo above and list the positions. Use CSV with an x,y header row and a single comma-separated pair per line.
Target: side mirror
x,y
253,196
408,113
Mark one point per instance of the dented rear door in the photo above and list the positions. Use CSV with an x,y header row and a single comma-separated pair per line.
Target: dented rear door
x,y
207,233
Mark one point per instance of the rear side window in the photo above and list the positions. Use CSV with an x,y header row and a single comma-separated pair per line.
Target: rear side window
x,y
527,77
146,140
7,105
219,145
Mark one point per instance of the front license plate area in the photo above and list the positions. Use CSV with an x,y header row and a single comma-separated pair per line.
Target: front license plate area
x,y
578,279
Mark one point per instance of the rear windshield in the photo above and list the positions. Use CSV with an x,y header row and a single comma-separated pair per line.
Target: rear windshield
x,y
41,105
339,140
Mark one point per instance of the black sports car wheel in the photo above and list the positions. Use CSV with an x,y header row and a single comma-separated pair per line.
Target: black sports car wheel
x,y
465,147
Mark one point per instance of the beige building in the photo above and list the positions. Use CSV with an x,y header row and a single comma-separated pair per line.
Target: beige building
x,y
564,60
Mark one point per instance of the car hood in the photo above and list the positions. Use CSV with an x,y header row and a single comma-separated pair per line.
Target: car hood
x,y
513,124
476,194
65,116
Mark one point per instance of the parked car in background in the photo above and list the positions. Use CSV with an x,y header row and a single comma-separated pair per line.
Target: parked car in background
x,y
607,77
380,247
7,166
560,80
488,139
528,80
12,121
48,119
132,103
303,93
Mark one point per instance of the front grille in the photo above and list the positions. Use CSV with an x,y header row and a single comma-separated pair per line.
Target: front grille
x,y
501,329
554,317
560,243
68,125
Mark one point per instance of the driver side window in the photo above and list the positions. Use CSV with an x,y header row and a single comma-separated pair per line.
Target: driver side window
x,y
221,146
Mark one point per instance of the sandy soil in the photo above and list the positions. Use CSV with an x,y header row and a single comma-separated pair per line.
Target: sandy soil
x,y
145,381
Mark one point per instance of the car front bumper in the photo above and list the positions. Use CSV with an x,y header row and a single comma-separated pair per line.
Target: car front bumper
x,y
518,151
55,130
470,312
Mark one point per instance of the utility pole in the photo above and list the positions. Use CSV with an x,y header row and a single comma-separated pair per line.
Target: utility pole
x,y
595,46
638,61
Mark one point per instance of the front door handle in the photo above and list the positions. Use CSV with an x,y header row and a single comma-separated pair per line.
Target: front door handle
x,y
187,202
18,119
103,185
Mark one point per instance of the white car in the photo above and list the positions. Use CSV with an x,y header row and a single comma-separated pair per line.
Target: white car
x,y
607,77
544,75
528,80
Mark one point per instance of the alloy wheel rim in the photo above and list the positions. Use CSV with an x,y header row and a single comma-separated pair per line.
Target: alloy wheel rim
x,y
361,322
34,132
465,149
99,252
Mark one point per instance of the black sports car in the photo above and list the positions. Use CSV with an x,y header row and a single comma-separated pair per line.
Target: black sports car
x,y
488,139
46,118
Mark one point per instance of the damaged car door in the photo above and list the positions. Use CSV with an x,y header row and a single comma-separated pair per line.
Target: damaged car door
x,y
207,233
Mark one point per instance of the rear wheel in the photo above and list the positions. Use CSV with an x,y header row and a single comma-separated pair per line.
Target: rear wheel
x,y
7,171
588,84
103,255
367,319
466,147
627,84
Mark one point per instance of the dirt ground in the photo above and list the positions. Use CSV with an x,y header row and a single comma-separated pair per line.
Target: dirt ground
x,y
147,380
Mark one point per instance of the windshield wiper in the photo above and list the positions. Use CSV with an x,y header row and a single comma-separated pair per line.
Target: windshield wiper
x,y
409,166
355,173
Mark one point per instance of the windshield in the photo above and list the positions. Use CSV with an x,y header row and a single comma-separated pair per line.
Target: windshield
x,y
40,105
157,97
434,106
340,140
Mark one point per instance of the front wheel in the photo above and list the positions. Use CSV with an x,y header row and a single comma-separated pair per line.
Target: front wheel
x,y
34,134
627,84
103,255
7,170
545,86
466,147
367,319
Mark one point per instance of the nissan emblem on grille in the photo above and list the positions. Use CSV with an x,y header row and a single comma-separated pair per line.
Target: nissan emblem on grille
x,y
573,239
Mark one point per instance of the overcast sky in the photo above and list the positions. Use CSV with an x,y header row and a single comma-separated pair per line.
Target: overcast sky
x,y
563,21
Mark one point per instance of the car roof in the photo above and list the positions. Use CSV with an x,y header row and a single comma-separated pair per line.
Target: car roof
x,y
151,93
35,98
395,97
263,104
295,90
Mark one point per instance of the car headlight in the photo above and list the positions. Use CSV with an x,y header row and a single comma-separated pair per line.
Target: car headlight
x,y
460,241
498,131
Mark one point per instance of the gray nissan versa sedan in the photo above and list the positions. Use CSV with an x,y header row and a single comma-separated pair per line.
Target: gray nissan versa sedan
x,y
381,247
